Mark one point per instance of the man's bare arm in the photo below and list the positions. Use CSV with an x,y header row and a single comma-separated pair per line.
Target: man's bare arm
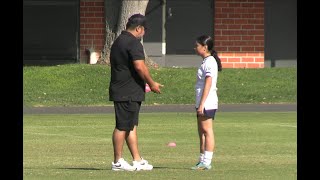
x,y
144,73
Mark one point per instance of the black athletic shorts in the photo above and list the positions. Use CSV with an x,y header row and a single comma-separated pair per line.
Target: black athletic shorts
x,y
210,113
127,114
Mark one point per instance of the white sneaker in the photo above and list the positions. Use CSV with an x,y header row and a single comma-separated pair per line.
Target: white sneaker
x,y
122,165
142,165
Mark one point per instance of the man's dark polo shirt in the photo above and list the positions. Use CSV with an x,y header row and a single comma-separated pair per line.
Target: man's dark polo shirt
x,y
125,83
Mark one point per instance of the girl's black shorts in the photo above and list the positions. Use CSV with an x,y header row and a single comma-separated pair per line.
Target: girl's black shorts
x,y
210,113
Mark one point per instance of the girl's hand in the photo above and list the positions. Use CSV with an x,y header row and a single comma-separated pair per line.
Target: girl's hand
x,y
200,111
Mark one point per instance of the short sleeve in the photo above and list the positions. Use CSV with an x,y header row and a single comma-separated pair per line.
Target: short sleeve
x,y
210,67
136,51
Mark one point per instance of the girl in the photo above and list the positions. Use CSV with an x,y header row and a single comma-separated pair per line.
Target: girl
x,y
206,99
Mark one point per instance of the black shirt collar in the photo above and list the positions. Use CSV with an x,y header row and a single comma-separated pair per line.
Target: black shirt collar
x,y
128,34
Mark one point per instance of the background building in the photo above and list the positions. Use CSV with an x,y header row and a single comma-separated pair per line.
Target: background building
x,y
247,33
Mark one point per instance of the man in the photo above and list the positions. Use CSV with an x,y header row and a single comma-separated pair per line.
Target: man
x,y
129,76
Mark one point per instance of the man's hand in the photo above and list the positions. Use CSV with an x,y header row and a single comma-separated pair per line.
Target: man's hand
x,y
143,71
155,87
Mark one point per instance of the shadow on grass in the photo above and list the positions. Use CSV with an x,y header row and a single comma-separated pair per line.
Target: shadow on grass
x,y
159,167
79,168
98,169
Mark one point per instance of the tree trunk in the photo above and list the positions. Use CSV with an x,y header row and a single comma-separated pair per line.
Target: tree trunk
x,y
128,8
117,13
112,8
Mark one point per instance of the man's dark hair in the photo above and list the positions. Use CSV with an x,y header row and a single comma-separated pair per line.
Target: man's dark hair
x,y
136,20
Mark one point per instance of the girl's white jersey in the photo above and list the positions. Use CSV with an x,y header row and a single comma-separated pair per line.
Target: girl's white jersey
x,y
209,67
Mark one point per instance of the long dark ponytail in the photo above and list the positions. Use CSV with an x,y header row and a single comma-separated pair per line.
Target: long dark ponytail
x,y
215,55
207,40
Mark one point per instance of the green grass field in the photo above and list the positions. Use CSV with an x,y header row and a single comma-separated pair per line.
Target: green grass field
x,y
87,85
249,145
